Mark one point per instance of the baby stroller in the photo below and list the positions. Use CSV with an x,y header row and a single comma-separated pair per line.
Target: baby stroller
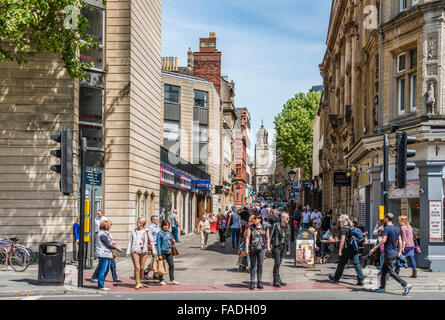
x,y
243,262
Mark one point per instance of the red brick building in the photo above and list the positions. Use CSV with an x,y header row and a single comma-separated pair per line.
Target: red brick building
x,y
239,192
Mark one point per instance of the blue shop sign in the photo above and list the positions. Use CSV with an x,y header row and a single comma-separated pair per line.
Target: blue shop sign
x,y
177,179
201,185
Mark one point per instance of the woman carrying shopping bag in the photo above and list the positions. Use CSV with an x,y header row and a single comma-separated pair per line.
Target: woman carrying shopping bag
x,y
165,244
140,247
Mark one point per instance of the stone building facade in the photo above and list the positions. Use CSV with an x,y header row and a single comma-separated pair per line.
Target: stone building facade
x,y
381,70
118,111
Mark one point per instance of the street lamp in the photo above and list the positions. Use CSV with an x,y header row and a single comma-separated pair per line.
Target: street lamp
x,y
291,174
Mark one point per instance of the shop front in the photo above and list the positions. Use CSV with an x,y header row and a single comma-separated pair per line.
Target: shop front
x,y
186,194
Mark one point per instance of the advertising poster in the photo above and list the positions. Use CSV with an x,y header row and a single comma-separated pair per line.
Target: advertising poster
x,y
305,252
436,231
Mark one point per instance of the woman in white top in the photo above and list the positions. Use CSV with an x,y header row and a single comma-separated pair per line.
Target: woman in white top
x,y
139,247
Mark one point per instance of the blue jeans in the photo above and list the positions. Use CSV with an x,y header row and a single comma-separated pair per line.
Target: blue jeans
x,y
104,267
382,261
175,233
413,262
306,226
113,271
235,237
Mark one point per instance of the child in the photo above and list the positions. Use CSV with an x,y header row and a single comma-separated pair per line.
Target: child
x,y
317,245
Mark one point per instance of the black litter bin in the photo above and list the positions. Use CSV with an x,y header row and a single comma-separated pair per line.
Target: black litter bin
x,y
52,263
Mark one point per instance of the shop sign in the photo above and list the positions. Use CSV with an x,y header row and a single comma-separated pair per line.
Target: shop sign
x,y
167,177
305,252
364,180
436,221
186,183
201,184
341,179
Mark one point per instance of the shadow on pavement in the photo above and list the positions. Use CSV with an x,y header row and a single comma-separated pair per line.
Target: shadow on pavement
x,y
30,281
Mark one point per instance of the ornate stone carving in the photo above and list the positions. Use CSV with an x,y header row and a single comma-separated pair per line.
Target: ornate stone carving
x,y
432,46
431,99
432,70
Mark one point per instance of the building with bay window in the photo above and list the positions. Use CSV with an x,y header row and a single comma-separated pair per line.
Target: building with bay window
x,y
118,111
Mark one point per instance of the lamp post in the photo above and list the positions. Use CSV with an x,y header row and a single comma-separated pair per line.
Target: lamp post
x,y
291,174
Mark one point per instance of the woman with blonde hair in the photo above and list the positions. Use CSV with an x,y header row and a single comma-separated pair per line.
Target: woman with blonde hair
x,y
408,245
140,245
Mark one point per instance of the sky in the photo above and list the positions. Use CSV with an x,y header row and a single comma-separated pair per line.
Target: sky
x,y
271,49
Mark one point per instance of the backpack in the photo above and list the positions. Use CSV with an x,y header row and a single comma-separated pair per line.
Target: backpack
x,y
355,237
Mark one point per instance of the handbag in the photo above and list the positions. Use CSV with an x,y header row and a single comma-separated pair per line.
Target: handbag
x,y
417,249
175,251
160,267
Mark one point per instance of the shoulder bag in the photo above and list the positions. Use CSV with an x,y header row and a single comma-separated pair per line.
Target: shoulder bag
x,y
174,251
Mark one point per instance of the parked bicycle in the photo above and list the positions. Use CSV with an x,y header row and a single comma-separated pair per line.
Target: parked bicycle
x,y
14,255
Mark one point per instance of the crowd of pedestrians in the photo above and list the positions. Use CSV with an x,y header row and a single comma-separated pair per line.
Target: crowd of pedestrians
x,y
256,231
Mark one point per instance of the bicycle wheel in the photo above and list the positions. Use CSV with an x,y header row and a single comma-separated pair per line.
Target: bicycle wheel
x,y
32,255
3,254
19,259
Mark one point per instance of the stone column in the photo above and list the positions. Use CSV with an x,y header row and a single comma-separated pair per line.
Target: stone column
x,y
431,177
337,86
342,75
348,78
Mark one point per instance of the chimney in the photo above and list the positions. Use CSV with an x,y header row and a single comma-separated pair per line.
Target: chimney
x,y
208,44
170,64
190,60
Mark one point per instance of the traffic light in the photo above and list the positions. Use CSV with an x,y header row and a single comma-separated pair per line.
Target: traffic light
x,y
402,153
65,153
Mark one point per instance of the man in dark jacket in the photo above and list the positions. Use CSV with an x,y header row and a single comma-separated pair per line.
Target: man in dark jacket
x,y
280,243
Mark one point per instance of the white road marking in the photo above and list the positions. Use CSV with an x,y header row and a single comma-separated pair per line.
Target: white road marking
x,y
32,298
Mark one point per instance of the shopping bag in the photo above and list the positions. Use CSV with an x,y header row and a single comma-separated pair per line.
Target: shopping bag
x,y
160,267
150,266
227,233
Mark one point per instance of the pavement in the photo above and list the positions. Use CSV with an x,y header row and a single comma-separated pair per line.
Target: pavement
x,y
214,270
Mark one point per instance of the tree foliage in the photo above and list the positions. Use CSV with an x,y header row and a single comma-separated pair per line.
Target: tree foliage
x,y
40,25
294,136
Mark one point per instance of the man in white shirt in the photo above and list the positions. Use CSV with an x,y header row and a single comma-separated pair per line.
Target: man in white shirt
x,y
306,219
316,217
154,229
100,217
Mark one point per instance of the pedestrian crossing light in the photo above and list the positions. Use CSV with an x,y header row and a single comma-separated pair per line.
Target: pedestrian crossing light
x,y
402,153
65,153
